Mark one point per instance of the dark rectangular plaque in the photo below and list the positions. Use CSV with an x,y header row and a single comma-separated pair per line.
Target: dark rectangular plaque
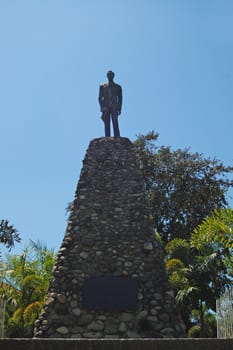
x,y
110,293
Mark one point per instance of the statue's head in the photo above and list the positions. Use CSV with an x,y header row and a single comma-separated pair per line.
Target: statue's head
x,y
110,75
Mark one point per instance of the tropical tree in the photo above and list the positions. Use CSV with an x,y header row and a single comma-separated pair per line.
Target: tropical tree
x,y
25,280
198,278
209,329
8,234
200,269
217,228
182,187
215,235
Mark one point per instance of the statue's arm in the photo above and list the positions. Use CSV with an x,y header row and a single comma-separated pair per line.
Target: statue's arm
x,y
120,98
101,97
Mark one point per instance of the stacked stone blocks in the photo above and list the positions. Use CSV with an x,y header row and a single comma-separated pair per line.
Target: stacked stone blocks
x,y
109,233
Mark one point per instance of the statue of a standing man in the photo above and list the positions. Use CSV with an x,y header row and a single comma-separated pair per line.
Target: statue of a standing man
x,y
110,100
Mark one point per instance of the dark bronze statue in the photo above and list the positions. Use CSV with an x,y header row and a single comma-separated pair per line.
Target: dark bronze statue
x,y
110,100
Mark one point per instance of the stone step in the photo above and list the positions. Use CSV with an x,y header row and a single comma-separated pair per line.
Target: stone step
x,y
116,344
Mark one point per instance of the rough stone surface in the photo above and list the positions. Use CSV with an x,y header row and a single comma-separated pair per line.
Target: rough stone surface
x,y
109,233
62,330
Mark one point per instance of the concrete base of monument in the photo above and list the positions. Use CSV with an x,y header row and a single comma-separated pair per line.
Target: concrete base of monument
x,y
116,344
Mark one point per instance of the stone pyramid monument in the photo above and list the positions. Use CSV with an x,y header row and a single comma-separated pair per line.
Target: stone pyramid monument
x,y
109,280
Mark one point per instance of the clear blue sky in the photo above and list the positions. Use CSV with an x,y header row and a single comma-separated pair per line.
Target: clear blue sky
x,y
173,59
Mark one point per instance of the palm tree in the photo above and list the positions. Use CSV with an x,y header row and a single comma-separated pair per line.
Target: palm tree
x,y
8,234
27,278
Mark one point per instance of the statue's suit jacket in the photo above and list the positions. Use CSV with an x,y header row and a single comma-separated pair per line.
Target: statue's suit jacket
x,y
111,100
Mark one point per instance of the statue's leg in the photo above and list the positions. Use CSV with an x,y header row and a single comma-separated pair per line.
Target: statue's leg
x,y
107,124
115,124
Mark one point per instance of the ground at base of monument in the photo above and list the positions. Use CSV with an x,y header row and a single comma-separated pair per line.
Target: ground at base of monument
x,y
117,344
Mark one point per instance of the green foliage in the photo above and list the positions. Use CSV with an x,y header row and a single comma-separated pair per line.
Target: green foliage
x,y
177,274
182,187
8,234
32,312
194,331
178,248
205,325
173,265
197,277
216,228
24,283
